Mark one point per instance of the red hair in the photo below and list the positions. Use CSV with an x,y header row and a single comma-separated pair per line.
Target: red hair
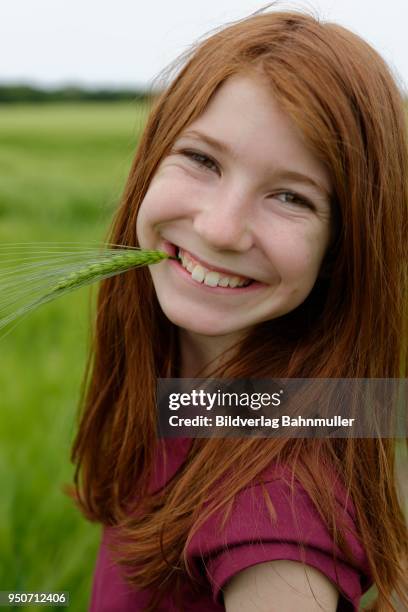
x,y
341,95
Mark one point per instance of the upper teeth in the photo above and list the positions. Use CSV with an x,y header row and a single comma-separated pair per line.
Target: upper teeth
x,y
210,277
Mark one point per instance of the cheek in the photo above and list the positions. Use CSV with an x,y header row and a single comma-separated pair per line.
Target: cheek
x,y
142,224
167,198
298,256
151,212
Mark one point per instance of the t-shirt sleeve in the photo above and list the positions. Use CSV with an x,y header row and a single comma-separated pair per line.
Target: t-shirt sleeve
x,y
250,537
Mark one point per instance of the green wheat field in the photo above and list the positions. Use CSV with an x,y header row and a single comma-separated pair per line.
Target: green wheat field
x,y
63,168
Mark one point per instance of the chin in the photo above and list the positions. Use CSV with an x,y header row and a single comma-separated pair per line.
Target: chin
x,y
200,325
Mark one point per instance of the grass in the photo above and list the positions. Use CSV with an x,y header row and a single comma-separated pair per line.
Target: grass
x,y
64,167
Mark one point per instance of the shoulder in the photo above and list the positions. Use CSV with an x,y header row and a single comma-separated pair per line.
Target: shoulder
x,y
288,584
250,549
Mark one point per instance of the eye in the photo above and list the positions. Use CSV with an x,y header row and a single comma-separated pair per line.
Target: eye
x,y
290,197
201,160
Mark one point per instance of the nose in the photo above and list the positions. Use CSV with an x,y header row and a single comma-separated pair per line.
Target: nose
x,y
225,223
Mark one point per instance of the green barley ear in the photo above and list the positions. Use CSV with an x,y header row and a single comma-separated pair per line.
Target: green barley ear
x,y
34,274
109,265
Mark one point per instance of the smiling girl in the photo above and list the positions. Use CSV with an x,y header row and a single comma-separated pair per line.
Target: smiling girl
x,y
240,194
275,166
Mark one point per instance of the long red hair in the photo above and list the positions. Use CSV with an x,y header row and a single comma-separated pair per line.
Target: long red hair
x,y
341,95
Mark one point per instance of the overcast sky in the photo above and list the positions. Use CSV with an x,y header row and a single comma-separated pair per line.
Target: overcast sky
x,y
128,42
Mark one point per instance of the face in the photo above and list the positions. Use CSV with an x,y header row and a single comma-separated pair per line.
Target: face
x,y
243,197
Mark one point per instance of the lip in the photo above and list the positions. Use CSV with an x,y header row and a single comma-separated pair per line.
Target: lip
x,y
171,249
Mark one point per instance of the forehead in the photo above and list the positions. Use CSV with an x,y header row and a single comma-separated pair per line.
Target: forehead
x,y
244,115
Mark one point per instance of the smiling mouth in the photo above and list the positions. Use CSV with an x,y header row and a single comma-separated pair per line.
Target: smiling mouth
x,y
209,276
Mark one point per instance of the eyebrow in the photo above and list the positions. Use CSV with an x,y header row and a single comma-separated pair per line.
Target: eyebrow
x,y
284,174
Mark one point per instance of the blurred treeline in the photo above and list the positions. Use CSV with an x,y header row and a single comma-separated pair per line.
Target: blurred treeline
x,y
21,93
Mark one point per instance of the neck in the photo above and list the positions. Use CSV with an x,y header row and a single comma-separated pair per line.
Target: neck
x,y
201,354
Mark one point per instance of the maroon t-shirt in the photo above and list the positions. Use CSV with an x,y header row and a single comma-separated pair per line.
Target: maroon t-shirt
x,y
247,539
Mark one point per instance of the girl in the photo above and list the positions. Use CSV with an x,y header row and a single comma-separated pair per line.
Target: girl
x,y
275,164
